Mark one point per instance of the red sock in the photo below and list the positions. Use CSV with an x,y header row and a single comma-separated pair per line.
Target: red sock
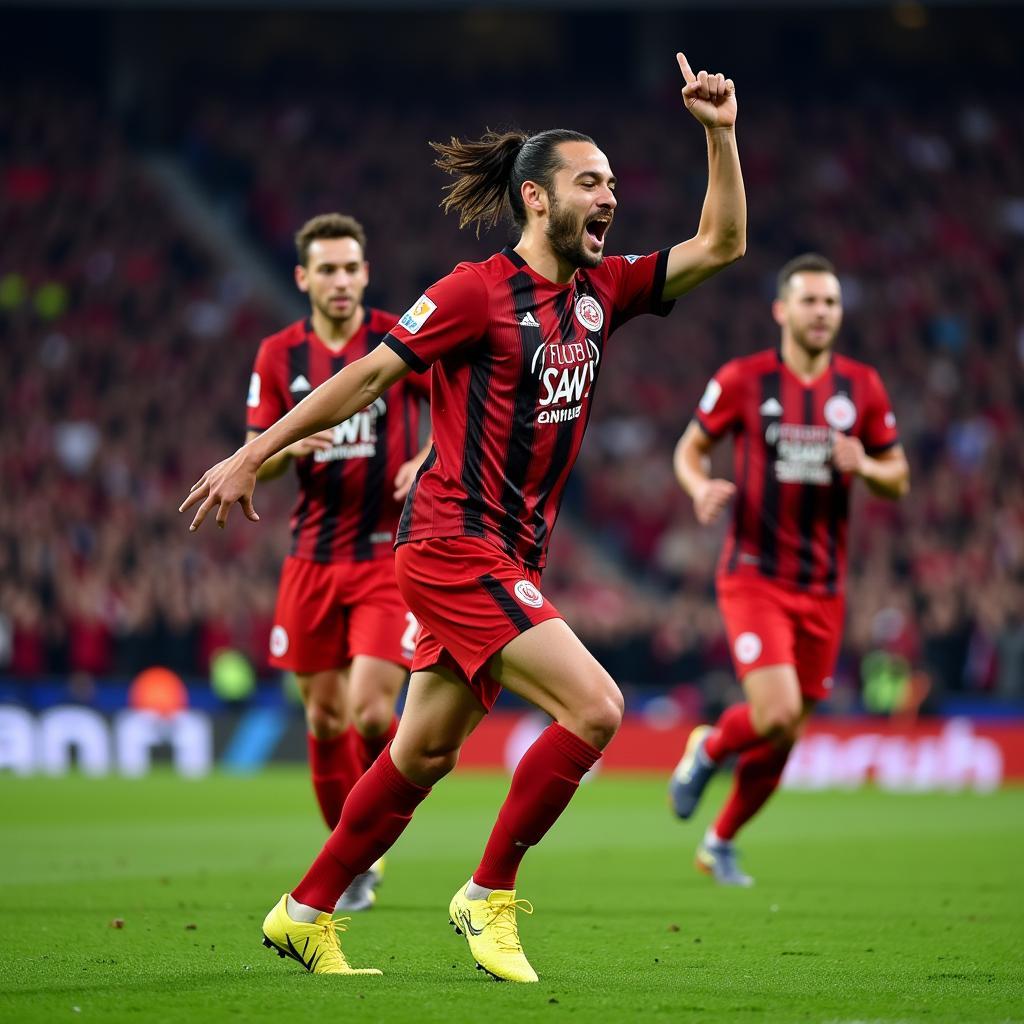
x,y
733,733
366,749
330,764
542,786
374,816
758,772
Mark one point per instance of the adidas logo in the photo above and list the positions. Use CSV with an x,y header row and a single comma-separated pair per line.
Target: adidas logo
x,y
300,384
529,320
771,407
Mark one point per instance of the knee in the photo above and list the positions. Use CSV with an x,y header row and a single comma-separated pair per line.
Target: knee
x,y
780,720
324,720
599,720
424,764
372,717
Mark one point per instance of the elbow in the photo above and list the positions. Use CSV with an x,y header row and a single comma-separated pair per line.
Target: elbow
x,y
728,248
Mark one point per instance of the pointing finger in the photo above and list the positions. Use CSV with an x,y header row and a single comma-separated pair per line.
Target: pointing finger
x,y
684,66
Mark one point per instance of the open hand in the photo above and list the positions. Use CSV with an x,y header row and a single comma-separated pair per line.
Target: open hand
x,y
847,454
711,499
222,485
710,98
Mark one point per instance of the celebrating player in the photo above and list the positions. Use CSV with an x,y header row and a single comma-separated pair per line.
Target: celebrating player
x,y
516,343
805,422
340,624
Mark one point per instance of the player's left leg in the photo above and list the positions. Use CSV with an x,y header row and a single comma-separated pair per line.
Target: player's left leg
x,y
548,666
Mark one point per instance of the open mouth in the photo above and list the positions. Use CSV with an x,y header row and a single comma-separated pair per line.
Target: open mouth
x,y
596,228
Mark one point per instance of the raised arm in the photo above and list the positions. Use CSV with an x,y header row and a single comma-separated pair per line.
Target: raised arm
x,y
721,236
343,395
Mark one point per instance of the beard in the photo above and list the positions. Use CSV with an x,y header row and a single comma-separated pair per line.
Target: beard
x,y
813,346
565,236
329,314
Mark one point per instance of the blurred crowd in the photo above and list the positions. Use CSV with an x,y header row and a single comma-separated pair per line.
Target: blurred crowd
x,y
129,345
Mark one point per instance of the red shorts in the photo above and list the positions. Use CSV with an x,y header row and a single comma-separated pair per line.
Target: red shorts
x,y
772,625
470,599
328,613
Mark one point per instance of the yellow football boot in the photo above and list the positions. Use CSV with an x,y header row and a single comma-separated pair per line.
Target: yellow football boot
x,y
315,945
491,931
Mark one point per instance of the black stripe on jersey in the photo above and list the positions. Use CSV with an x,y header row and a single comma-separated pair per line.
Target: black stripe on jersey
x,y
839,500
376,472
298,366
473,449
808,506
406,353
741,503
513,257
524,412
406,519
333,472
771,384
505,601
563,443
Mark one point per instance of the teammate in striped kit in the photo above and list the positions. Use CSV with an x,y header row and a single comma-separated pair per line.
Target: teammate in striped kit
x,y
805,422
516,344
341,624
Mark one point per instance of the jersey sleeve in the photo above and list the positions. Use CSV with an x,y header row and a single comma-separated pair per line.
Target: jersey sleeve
x,y
878,430
719,409
636,284
448,316
266,403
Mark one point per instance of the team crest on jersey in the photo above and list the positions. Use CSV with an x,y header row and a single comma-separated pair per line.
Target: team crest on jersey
x,y
840,412
278,641
417,315
748,648
526,593
589,313
253,400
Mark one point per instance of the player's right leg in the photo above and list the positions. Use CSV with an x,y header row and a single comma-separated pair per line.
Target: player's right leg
x,y
762,641
331,764
308,638
440,712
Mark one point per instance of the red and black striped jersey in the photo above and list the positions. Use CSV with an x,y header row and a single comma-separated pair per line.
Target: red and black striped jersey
x,y
792,506
345,510
515,361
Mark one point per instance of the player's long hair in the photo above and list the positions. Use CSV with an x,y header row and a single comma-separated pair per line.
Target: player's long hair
x,y
490,172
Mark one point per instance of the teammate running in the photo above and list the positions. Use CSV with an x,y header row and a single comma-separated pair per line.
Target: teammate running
x,y
516,343
341,624
804,423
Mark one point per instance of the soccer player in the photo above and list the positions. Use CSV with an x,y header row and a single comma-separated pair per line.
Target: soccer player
x,y
805,422
341,624
516,344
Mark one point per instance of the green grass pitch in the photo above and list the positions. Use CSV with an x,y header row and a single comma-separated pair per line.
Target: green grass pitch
x,y
868,907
